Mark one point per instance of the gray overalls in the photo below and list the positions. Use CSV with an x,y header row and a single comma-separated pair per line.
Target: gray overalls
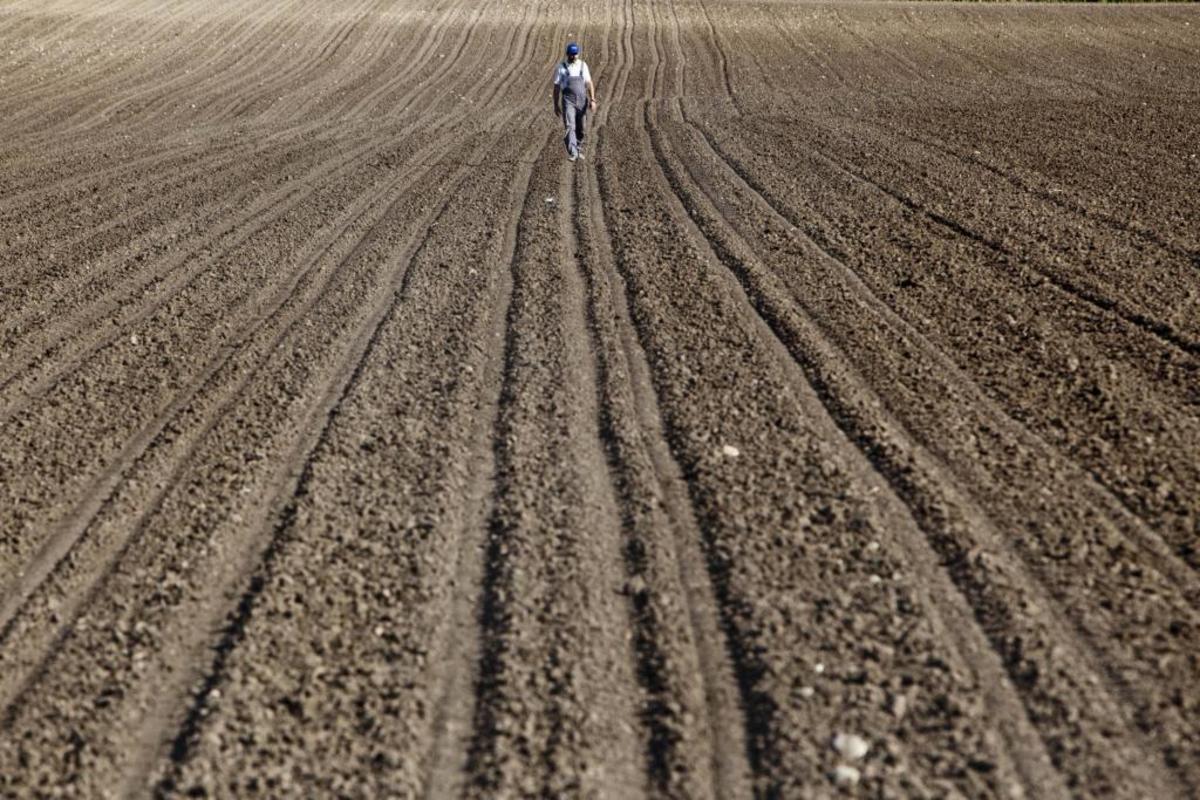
x,y
575,105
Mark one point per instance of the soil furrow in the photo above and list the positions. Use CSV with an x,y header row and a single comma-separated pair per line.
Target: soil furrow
x,y
1072,289
1157,387
278,514
70,528
692,677
954,526
451,725
185,646
410,333
826,431
543,626
1084,489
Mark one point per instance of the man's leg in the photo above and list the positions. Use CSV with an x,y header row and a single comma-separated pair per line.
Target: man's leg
x,y
569,112
580,128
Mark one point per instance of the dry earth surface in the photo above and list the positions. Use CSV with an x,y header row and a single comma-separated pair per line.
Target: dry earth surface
x,y
354,443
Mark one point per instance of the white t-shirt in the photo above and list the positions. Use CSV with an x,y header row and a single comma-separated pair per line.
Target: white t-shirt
x,y
579,67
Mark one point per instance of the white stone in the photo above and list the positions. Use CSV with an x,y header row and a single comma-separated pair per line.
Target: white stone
x,y
850,746
846,776
731,451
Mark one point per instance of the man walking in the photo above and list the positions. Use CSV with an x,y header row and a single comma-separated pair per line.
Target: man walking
x,y
574,96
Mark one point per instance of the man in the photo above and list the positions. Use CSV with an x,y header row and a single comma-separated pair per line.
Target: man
x,y
574,96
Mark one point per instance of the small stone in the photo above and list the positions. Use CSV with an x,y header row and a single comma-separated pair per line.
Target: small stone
x,y
731,451
845,776
818,668
850,746
807,691
134,339
1072,364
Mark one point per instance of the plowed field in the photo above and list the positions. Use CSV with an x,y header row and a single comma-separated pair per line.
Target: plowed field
x,y
353,442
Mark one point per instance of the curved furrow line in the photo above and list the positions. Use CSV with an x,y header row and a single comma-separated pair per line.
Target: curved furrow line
x,y
333,45
243,149
51,94
459,647
184,646
1136,532
962,541
1071,290
457,706
490,709
72,528
696,747
469,160
194,678
692,720
1174,570
544,627
911,69
321,72
72,339
1163,332
416,91
429,154
723,58
295,130
208,78
1162,394
871,449
748,754
1152,15
298,527
772,572
286,66
80,110
473,28
178,189
531,595
244,175
49,189
978,60
180,282
212,71
249,70
413,84
756,707
393,43
796,41
431,44
1058,199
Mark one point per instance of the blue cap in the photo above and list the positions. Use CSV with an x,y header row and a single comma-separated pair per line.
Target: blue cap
x,y
572,49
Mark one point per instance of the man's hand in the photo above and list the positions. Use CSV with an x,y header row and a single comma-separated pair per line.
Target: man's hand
x,y
592,104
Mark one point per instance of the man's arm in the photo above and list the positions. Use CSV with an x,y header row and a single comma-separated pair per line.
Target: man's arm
x,y
557,99
591,90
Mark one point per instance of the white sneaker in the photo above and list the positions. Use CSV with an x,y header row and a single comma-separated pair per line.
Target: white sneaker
x,y
571,156
580,155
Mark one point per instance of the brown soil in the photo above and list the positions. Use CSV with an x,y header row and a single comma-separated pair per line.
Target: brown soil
x,y
355,443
